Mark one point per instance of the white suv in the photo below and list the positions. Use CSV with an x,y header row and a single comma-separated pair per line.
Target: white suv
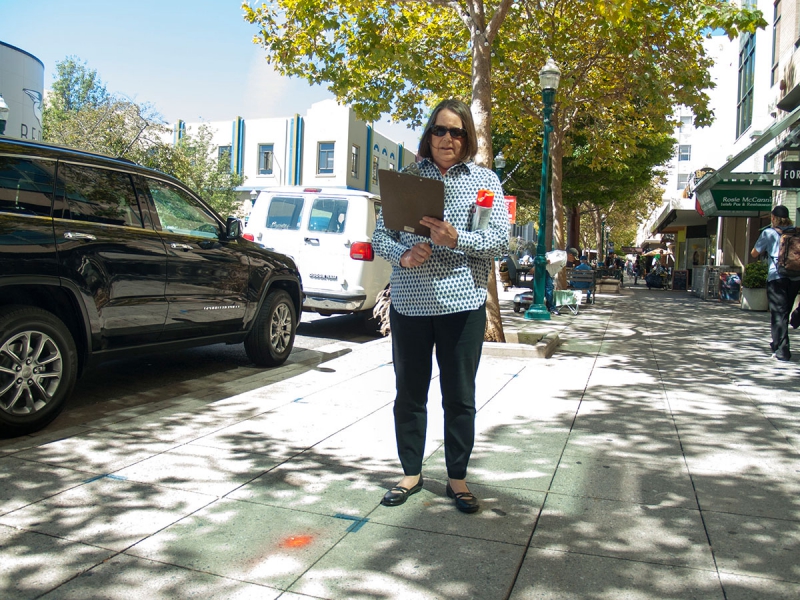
x,y
328,231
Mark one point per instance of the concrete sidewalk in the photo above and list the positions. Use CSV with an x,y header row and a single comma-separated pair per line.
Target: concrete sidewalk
x,y
654,456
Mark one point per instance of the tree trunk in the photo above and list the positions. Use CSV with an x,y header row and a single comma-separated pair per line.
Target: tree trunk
x,y
482,114
556,199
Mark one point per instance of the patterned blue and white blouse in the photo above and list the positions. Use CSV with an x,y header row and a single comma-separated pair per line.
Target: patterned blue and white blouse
x,y
451,280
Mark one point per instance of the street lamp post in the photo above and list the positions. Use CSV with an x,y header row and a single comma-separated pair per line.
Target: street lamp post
x,y
499,165
549,77
3,116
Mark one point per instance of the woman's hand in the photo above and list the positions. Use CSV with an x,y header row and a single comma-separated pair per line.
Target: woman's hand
x,y
442,233
416,255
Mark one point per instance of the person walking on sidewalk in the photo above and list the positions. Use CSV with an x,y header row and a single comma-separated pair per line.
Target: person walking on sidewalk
x,y
438,296
781,291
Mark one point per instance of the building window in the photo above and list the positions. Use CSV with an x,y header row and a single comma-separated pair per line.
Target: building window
x,y
325,158
684,152
354,158
686,123
683,180
224,157
744,106
391,166
265,156
375,164
776,42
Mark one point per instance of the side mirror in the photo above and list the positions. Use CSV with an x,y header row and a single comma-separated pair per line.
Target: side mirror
x,y
233,228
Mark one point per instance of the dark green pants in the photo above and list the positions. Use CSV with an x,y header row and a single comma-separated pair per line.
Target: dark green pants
x,y
458,340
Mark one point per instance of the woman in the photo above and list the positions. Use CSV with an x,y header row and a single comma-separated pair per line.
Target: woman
x,y
781,291
438,296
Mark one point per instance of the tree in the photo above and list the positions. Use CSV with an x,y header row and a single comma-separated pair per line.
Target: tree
x,y
626,63
81,113
193,160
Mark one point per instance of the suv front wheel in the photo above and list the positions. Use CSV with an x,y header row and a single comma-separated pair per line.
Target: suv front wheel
x,y
270,341
38,368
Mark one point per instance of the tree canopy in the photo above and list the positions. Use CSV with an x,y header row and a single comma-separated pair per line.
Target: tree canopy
x,y
81,113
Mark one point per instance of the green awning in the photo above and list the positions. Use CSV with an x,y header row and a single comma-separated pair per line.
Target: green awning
x,y
738,195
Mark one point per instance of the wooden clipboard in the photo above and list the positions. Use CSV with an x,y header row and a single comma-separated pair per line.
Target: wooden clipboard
x,y
406,198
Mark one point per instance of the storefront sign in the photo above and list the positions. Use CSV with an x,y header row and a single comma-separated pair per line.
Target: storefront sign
x,y
790,174
742,200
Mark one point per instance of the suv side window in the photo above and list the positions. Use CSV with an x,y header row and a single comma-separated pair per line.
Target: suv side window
x,y
98,195
284,213
26,186
181,213
328,214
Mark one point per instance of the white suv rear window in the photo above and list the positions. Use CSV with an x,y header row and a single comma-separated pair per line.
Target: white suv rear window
x,y
328,214
284,213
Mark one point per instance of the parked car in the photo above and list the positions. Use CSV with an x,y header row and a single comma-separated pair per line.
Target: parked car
x,y
101,258
328,232
523,301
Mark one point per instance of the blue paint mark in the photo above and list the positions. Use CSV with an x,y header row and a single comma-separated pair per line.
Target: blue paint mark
x,y
107,476
298,399
359,521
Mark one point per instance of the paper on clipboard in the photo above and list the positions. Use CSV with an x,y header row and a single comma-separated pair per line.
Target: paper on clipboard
x,y
406,198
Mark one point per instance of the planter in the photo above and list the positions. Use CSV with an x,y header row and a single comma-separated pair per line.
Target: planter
x,y
754,299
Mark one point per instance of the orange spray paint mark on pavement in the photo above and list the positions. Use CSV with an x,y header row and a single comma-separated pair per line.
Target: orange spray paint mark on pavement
x,y
297,541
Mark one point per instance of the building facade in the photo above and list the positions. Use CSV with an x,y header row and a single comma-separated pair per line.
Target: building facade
x,y
22,88
725,179
328,146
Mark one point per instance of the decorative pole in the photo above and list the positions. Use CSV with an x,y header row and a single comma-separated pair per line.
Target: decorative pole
x,y
549,77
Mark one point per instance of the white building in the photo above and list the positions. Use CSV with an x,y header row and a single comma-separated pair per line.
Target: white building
x,y
22,88
328,146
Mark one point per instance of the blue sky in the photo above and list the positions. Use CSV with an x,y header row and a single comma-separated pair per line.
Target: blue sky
x,y
190,59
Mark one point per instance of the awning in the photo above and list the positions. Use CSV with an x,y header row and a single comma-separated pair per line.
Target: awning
x,y
790,142
677,219
738,195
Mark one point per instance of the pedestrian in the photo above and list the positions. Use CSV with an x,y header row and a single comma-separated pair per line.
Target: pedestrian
x,y
572,258
438,296
781,291
637,271
584,285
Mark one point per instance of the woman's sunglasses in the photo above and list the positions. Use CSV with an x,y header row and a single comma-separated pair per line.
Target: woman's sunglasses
x,y
455,132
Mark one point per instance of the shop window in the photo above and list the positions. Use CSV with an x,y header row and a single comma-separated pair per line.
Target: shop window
x,y
224,157
375,165
265,156
325,158
776,42
747,59
355,152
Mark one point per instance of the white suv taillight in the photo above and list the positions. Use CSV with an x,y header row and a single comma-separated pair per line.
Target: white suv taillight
x,y
362,251
249,236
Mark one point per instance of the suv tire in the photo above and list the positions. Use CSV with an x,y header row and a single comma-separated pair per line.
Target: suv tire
x,y
38,368
270,341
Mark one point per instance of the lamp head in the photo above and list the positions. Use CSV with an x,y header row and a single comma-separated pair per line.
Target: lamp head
x,y
550,75
500,160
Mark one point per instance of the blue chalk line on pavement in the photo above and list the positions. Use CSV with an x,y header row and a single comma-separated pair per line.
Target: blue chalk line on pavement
x,y
107,476
359,521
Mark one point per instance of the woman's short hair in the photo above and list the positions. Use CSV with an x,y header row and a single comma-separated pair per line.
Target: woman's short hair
x,y
470,146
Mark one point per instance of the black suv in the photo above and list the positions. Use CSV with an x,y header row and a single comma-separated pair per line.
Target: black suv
x,y
102,258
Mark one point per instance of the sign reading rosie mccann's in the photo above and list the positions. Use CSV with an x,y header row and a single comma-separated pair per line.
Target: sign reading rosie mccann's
x,y
742,199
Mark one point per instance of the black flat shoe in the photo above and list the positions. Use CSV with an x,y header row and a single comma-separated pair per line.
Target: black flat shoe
x,y
398,494
465,501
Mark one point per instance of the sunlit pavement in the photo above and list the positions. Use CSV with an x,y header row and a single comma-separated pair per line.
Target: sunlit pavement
x,y
654,456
